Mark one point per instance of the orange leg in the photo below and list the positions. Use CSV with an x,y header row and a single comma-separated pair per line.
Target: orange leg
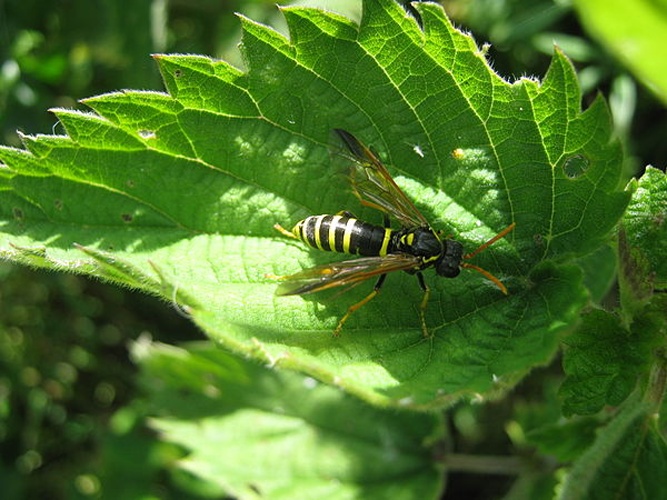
x,y
284,231
359,304
424,304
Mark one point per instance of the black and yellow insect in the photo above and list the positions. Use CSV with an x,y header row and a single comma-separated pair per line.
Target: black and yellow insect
x,y
412,248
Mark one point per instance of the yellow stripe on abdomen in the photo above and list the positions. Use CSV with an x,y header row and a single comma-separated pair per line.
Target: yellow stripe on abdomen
x,y
349,227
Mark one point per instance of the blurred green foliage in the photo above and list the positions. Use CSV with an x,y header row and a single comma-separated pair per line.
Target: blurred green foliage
x,y
69,420
64,371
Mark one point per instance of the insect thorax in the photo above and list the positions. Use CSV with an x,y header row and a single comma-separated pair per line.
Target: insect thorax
x,y
423,242
418,241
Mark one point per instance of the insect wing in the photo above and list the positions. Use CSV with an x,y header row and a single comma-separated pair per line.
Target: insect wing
x,y
347,272
375,187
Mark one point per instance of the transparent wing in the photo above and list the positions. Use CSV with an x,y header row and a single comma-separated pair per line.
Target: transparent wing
x,y
347,272
375,188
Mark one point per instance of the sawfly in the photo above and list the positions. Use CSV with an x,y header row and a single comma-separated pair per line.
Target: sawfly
x,y
412,248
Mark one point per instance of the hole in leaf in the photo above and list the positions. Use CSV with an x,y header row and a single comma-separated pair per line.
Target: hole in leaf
x,y
147,134
18,213
127,218
575,166
58,204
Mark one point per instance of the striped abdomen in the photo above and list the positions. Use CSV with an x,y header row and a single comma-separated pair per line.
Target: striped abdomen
x,y
340,233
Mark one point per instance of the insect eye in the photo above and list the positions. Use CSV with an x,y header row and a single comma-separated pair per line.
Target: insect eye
x,y
447,269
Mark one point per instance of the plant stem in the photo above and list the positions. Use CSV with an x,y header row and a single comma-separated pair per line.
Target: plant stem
x,y
488,464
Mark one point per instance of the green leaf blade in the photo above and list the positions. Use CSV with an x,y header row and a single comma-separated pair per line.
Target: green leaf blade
x,y
624,462
602,361
183,189
645,223
240,440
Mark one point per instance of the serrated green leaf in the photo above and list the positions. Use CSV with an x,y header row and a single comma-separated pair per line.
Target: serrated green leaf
x,y
628,460
602,361
645,225
241,425
637,44
186,187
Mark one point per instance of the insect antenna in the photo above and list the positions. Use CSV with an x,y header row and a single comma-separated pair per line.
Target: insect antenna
x,y
483,247
488,275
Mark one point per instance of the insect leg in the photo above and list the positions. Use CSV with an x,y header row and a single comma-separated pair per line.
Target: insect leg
x,y
360,304
289,234
285,232
424,303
